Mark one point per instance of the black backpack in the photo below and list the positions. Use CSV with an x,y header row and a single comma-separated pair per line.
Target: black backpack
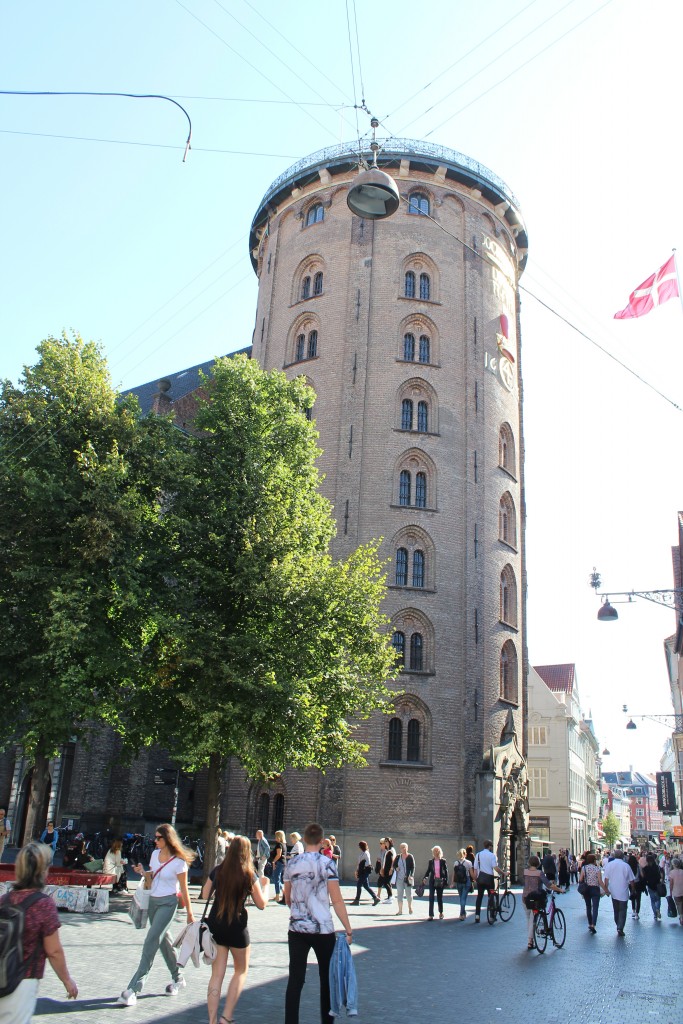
x,y
461,873
12,916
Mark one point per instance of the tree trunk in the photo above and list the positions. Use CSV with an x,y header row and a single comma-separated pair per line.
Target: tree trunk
x,y
37,799
213,812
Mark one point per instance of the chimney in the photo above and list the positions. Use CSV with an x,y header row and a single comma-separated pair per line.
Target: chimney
x,y
162,404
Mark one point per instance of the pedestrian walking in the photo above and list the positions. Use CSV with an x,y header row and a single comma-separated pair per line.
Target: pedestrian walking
x,y
638,889
278,853
485,870
590,875
534,895
563,870
652,876
40,934
262,855
436,877
463,880
336,851
404,866
386,870
363,872
297,845
167,875
311,882
573,870
233,881
549,866
4,831
618,881
676,886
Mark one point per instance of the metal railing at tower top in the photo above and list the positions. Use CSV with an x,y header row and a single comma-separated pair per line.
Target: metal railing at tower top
x,y
391,150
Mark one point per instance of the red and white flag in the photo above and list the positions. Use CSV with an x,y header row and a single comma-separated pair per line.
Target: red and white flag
x,y
659,288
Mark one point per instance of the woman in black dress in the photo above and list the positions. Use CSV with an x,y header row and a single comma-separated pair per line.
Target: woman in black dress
x,y
563,869
233,881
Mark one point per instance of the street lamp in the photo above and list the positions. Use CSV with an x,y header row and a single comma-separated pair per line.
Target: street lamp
x,y
672,599
666,720
169,777
373,193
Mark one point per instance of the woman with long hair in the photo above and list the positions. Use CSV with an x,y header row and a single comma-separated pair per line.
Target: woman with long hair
x,y
40,936
591,874
278,853
115,864
363,872
165,879
233,880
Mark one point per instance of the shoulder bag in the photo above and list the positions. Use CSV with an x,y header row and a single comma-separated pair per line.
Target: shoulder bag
x,y
206,941
138,911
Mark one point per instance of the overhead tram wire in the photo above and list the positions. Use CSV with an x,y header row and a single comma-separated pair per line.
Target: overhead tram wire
x,y
124,95
460,59
353,80
268,50
251,99
494,60
252,66
506,78
150,145
559,315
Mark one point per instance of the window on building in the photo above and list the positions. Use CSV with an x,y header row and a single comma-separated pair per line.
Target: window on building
x,y
264,811
420,490
506,449
398,642
424,286
401,567
315,214
409,348
409,290
300,347
507,526
404,488
278,812
416,651
413,753
424,348
508,672
418,568
312,344
508,596
318,283
640,812
395,751
538,783
422,417
305,288
418,203
406,414
538,736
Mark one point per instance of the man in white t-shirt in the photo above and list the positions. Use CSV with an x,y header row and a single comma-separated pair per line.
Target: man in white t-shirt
x,y
619,878
485,868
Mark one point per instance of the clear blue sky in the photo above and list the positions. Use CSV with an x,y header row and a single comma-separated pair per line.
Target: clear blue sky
x,y
575,104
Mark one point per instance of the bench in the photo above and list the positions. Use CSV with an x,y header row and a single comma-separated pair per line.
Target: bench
x,y
78,891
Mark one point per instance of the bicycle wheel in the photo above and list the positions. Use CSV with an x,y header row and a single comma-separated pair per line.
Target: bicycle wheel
x,y
491,908
540,933
559,929
507,905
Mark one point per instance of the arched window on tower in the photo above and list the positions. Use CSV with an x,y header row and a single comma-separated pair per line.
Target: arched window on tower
x,y
416,649
407,414
424,348
418,203
424,286
395,751
401,567
300,347
318,283
410,284
315,214
312,344
422,417
398,642
278,812
418,568
404,487
420,490
507,526
506,449
409,348
508,596
305,288
508,672
413,752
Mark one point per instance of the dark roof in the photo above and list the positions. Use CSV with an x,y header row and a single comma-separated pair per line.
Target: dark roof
x,y
184,382
629,780
559,678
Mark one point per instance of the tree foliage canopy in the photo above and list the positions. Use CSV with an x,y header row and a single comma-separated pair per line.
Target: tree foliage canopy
x,y
611,828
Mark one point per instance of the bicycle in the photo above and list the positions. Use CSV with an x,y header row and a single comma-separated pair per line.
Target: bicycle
x,y
549,923
499,904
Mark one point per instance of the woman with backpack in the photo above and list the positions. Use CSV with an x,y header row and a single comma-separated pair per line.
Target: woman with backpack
x,y
463,880
29,918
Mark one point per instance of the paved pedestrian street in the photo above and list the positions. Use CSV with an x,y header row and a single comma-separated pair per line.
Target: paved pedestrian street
x,y
409,970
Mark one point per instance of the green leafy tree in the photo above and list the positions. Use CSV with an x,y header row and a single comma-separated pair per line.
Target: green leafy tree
x,y
80,480
266,649
611,828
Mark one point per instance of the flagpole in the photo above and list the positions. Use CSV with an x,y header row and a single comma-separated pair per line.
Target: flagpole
x,y
678,278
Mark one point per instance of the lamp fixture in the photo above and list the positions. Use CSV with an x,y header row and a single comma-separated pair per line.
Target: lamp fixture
x,y
373,194
605,752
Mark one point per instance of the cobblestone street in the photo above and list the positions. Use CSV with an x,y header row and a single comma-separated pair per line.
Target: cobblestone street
x,y
409,969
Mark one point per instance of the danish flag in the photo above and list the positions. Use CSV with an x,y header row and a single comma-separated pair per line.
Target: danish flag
x,y
659,288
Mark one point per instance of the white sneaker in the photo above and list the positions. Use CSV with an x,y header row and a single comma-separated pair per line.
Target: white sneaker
x,y
127,998
389,899
174,988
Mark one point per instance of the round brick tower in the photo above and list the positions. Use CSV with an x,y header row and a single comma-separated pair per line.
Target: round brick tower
x,y
408,331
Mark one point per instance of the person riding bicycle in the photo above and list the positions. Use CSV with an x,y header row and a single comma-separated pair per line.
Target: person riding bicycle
x,y
534,893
